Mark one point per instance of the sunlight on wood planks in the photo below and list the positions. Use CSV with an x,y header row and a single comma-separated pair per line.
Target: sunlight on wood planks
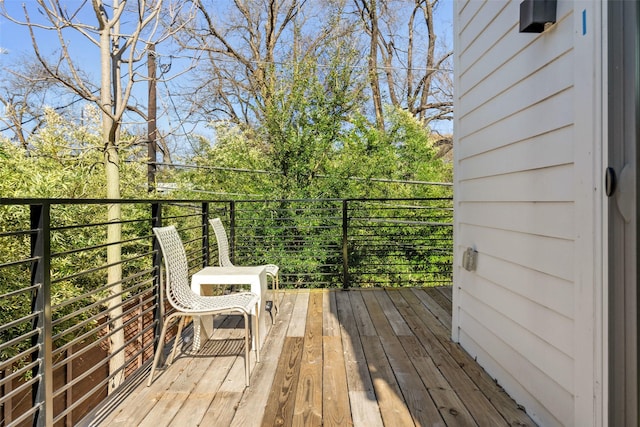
x,y
334,358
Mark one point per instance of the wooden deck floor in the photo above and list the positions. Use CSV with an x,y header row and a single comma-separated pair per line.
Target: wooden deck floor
x,y
333,358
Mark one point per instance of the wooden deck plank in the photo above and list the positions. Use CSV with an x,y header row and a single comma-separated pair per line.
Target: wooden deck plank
x,y
449,404
399,326
378,317
335,404
147,397
280,404
363,320
298,318
223,406
436,310
362,357
170,403
417,398
393,409
224,350
362,398
442,300
330,322
447,291
180,404
175,402
501,401
308,406
144,399
254,400
353,354
113,406
358,376
423,322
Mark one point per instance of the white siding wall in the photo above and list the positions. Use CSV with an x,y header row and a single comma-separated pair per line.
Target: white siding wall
x,y
527,163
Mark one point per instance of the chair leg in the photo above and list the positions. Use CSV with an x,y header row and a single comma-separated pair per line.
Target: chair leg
x,y
246,349
156,357
256,328
276,285
177,338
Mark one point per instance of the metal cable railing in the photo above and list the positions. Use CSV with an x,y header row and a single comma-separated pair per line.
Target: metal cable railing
x,y
61,314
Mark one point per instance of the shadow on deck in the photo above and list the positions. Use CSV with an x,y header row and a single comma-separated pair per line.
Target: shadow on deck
x,y
359,357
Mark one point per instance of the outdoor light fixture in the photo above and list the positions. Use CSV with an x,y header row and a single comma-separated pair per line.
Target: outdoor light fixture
x,y
470,259
536,14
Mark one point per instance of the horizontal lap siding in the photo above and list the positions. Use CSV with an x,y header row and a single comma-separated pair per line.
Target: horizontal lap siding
x,y
553,257
530,88
553,184
511,57
552,219
544,394
509,130
527,154
515,203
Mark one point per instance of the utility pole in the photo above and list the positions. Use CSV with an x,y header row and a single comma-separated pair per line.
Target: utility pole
x,y
151,119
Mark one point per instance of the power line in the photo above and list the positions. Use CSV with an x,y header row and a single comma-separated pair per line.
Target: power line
x,y
352,178
177,165
318,64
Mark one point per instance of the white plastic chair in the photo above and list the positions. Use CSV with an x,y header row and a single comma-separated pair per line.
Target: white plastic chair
x,y
225,261
189,304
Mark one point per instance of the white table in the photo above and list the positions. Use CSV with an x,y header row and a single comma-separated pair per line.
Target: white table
x,y
237,275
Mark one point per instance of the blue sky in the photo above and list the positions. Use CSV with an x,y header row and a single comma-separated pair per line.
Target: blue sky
x,y
15,40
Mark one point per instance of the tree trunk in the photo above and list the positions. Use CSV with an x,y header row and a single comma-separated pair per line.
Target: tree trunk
x,y
373,64
114,272
114,229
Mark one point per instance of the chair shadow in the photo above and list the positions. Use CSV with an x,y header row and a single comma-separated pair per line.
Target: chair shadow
x,y
219,347
225,345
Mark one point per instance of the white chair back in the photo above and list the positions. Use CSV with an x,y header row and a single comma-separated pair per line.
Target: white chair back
x,y
223,243
176,268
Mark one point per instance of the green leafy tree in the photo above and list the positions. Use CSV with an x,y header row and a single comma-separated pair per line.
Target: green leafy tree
x,y
308,116
232,166
390,162
62,159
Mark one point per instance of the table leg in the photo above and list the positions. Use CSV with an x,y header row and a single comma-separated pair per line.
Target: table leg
x,y
260,287
202,330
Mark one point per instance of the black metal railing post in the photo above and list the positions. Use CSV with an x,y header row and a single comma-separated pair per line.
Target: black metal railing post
x,y
345,245
41,304
205,234
232,231
158,311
